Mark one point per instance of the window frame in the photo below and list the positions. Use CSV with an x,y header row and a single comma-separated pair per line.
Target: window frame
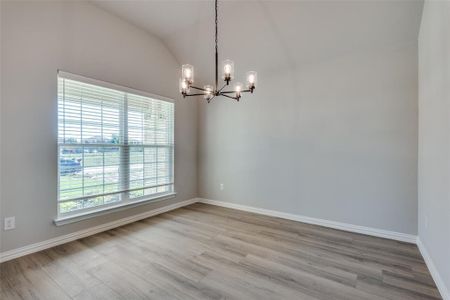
x,y
77,215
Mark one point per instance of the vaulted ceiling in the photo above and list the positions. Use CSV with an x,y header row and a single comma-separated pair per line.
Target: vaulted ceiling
x,y
271,35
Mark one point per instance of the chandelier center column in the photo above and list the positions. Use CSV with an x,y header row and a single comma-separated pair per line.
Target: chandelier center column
x,y
217,53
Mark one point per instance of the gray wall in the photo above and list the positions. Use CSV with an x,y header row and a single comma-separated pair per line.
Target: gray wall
x,y
37,39
434,134
335,140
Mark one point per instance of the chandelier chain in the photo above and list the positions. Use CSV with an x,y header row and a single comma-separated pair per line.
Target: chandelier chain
x,y
217,54
216,25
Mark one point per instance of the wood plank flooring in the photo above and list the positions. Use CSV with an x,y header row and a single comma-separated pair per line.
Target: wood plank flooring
x,y
208,252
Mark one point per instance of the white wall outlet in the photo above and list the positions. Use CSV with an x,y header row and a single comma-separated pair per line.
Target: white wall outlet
x,y
221,186
10,223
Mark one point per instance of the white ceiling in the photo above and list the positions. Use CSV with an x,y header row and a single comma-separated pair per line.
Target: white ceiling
x,y
271,34
159,17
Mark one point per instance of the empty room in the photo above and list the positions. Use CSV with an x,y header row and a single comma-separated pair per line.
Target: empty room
x,y
225,149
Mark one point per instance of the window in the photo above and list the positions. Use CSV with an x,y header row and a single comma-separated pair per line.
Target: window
x,y
115,145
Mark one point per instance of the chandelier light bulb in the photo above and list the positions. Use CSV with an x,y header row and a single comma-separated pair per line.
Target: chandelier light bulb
x,y
238,89
252,78
184,86
187,73
208,92
228,70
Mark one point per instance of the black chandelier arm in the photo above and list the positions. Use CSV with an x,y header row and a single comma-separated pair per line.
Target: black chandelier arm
x,y
219,91
227,92
232,92
198,88
190,95
234,98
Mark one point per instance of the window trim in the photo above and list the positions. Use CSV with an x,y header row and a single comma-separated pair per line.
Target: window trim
x,y
67,218
109,85
104,209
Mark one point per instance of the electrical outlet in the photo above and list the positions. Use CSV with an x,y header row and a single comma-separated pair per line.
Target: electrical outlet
x,y
221,187
10,223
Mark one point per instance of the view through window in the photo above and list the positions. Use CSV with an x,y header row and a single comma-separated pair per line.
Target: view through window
x,y
114,147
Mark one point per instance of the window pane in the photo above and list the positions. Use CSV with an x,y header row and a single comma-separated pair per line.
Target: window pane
x,y
110,144
87,170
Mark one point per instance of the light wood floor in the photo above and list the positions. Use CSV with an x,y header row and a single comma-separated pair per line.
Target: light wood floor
x,y
207,252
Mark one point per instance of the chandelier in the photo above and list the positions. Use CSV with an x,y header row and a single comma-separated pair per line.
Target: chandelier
x,y
209,92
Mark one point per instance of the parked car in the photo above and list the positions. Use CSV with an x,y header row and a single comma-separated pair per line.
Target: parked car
x,y
69,166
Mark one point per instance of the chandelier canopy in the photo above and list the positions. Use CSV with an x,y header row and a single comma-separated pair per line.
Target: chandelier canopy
x,y
209,92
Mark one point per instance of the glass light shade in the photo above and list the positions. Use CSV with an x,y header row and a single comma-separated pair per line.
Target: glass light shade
x,y
187,73
208,92
184,86
252,78
228,70
238,88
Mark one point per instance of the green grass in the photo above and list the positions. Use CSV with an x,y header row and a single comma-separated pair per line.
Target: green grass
x,y
94,159
71,185
92,186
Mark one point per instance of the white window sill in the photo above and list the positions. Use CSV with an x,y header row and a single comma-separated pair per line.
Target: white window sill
x,y
63,220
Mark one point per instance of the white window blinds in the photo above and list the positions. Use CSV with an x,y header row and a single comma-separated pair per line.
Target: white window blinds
x,y
114,146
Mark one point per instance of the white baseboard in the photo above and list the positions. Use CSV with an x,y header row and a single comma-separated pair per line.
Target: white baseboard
x,y
15,253
408,238
445,293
